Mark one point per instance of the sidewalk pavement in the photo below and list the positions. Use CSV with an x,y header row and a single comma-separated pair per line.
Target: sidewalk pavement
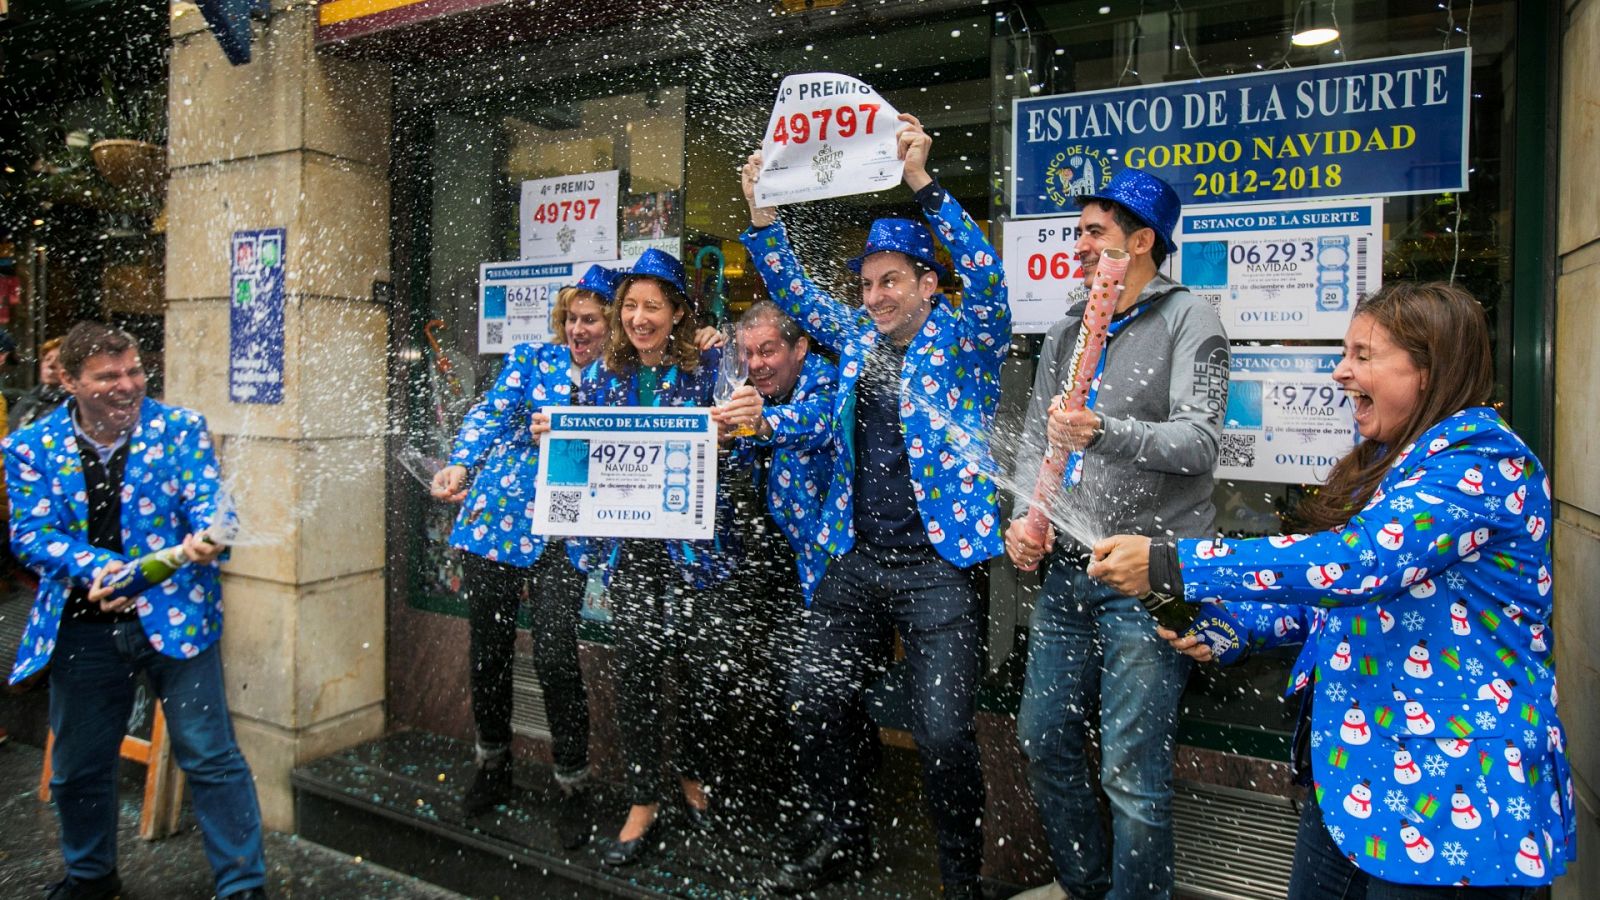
x,y
174,868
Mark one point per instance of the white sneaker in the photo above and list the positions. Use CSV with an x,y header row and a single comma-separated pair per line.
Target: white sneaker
x,y
1051,891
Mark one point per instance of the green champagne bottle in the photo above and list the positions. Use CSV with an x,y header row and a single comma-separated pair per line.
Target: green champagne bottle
x,y
145,572
1173,614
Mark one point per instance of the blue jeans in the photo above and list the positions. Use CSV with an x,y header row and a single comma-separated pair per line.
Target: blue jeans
x,y
1090,646
1322,872
92,683
866,596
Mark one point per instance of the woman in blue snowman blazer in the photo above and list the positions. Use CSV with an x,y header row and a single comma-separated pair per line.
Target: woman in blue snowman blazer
x,y
662,592
493,467
1429,734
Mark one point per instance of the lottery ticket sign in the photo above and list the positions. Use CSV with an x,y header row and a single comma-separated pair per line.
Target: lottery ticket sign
x,y
829,136
515,300
1287,420
1042,270
627,471
570,218
1283,271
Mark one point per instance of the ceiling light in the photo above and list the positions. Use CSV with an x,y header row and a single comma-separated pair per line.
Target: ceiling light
x,y
1316,26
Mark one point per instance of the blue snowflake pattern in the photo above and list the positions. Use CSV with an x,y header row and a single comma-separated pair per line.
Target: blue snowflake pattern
x,y
1486,720
1492,502
1412,621
1401,504
1336,692
1529,739
1474,666
1454,853
1407,559
1482,784
1336,833
1397,801
1368,557
1436,765
1316,739
1335,624
1456,512
1455,579
1519,809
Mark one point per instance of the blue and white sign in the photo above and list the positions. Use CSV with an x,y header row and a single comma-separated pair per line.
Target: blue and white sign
x,y
255,317
1373,128
627,471
1287,420
515,300
1282,271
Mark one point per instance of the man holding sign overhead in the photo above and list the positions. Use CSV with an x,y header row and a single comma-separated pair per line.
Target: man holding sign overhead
x,y
910,508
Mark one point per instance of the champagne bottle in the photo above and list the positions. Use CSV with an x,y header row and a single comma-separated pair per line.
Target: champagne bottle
x,y
146,572
1209,623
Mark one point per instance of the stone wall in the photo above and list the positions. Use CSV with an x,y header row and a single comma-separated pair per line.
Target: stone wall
x,y
1577,428
298,140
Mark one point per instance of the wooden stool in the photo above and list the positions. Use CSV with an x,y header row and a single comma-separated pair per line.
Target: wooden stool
x,y
163,780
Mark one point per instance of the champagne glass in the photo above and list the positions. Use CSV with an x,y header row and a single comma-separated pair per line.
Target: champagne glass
x,y
732,373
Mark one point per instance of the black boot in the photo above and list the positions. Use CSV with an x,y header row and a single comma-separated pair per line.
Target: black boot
x,y
831,859
106,887
574,823
491,786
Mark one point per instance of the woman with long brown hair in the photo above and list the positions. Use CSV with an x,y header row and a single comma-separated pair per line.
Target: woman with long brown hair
x,y
1420,589
662,591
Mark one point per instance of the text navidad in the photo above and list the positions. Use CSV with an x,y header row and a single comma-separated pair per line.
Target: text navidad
x,y
1289,133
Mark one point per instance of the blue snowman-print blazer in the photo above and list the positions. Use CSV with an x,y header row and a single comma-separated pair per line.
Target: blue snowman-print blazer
x,y
700,563
1437,755
494,443
169,489
949,387
802,460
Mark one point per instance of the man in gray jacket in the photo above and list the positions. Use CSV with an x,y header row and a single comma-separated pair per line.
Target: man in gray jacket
x,y
1149,444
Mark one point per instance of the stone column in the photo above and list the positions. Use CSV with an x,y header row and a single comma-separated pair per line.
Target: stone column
x,y
1577,428
298,140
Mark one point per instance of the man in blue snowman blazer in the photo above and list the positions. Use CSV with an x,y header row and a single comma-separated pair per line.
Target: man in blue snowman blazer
x,y
910,511
106,478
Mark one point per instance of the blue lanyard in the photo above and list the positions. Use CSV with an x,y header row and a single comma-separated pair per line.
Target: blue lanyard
x,y
1074,469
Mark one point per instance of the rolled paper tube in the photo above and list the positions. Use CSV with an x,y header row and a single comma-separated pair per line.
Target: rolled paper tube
x,y
1102,305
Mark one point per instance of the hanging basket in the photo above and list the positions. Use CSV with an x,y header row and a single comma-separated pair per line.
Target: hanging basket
x,y
136,166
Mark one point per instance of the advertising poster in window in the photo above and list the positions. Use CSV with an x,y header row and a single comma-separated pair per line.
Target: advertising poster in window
x,y
570,218
1282,271
1373,128
1042,269
515,300
1287,420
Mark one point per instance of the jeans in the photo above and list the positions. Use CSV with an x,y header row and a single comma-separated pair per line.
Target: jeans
x,y
494,593
1322,872
1089,646
660,624
92,685
866,596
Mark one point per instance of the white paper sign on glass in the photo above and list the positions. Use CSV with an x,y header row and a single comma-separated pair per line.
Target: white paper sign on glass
x,y
570,218
627,471
1283,271
515,300
829,136
1042,269
1287,419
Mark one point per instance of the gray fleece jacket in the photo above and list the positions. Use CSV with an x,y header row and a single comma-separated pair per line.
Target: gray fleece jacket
x,y
1162,397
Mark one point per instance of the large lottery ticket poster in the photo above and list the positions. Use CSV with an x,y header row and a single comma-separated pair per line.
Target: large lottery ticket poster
x,y
1282,271
1287,420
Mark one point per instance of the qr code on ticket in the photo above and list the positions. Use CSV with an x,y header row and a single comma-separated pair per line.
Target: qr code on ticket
x,y
494,333
564,506
1238,450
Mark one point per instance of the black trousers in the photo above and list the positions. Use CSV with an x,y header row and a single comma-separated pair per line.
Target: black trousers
x,y
494,592
659,624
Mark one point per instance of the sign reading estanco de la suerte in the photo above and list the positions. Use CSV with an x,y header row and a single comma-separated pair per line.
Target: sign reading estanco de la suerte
x,y
1362,129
